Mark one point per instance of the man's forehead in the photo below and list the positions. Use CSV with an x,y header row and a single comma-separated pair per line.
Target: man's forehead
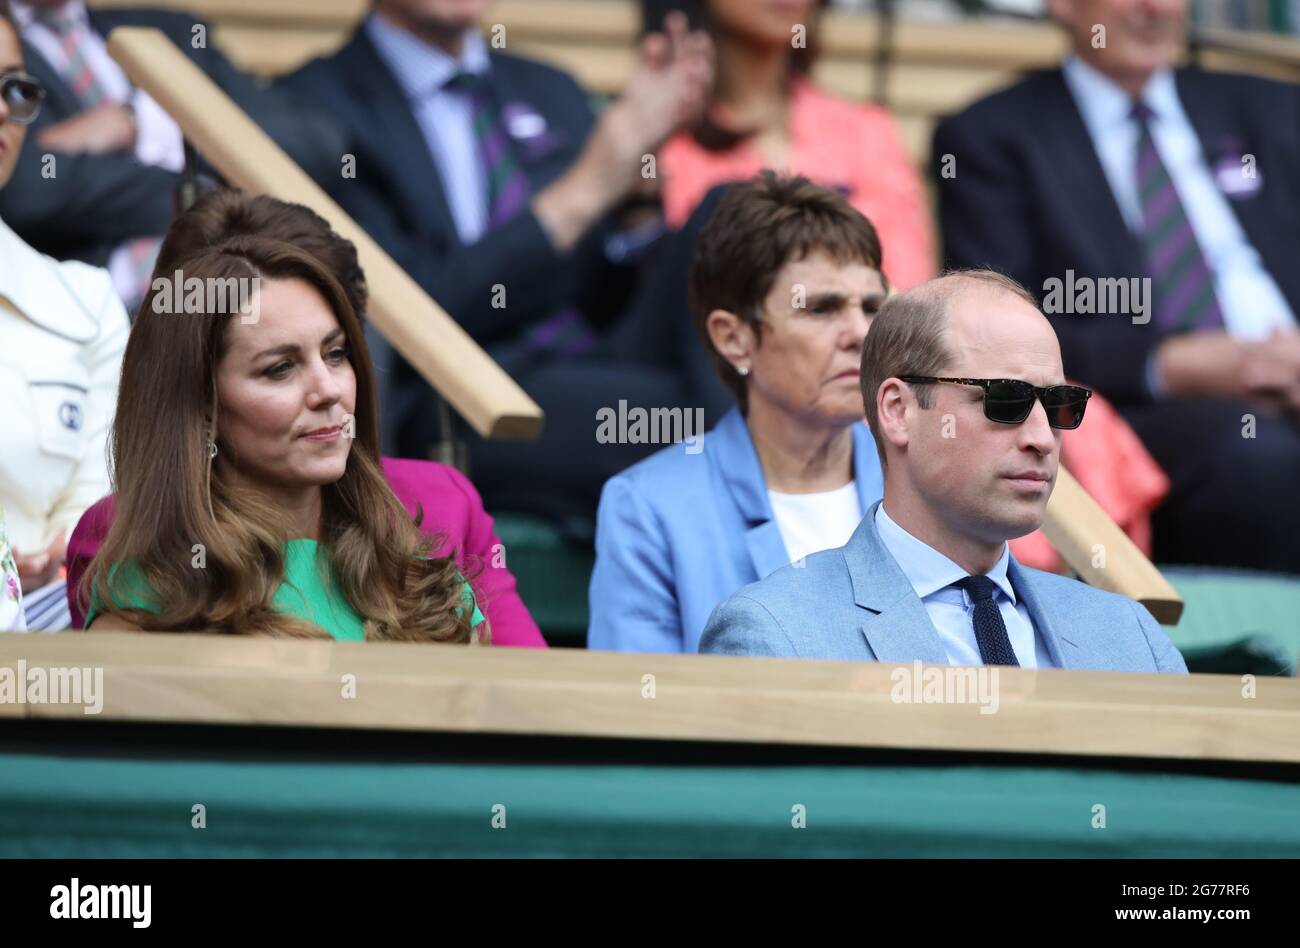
x,y
993,330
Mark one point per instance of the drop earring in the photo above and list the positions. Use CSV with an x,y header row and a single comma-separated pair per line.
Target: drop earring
x,y
212,449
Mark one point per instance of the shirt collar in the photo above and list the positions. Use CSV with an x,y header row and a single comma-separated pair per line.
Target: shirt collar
x,y
926,568
420,68
25,13
1105,106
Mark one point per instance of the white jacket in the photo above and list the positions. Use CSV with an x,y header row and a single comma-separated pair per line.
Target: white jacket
x,y
62,334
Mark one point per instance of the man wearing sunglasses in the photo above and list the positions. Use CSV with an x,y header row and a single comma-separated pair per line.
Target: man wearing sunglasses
x,y
967,401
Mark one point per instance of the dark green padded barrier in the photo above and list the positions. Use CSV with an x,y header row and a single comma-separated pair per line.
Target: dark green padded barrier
x,y
553,572
86,807
1237,621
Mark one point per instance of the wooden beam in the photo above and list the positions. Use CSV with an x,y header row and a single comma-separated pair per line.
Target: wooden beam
x,y
1101,553
259,681
426,336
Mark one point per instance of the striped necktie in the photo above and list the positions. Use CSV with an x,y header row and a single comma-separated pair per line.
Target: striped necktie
x,y
1181,283
508,193
62,21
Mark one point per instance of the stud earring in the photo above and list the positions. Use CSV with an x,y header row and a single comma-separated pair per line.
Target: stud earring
x,y
743,368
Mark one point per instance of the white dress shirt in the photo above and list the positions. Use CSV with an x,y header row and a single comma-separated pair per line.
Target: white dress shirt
x,y
810,523
950,608
445,117
1249,298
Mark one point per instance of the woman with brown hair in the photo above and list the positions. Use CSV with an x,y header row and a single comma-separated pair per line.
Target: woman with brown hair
x,y
250,497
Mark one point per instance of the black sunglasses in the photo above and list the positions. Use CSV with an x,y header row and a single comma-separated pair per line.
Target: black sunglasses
x,y
1009,401
23,94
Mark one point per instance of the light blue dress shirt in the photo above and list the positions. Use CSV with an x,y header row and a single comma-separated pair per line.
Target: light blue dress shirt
x,y
950,608
445,117
1251,302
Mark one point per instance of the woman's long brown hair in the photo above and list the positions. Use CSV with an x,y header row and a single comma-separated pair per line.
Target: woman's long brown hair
x,y
174,504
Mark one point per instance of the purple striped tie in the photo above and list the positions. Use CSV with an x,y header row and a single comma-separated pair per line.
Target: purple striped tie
x,y
1181,283
564,332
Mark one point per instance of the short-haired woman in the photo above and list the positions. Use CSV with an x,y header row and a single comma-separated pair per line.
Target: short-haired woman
x,y
786,279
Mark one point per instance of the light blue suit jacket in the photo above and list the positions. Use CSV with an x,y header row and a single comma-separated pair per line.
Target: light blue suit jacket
x,y
855,604
678,533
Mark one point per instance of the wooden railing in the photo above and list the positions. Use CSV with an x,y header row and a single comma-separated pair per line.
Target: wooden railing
x,y
234,680
429,339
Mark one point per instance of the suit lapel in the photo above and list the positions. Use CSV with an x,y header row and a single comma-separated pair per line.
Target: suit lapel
x,y
60,101
1220,135
398,139
1093,209
895,622
1057,632
737,462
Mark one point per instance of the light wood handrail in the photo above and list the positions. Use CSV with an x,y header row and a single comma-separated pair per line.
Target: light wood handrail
x,y
426,336
1101,553
248,681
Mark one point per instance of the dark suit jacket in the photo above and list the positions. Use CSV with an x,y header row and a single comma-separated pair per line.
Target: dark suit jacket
x,y
399,197
94,202
1029,198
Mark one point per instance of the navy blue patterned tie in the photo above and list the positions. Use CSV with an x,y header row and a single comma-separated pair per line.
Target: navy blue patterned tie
x,y
990,630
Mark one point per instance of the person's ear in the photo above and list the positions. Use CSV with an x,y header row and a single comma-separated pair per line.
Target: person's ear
x,y
733,338
893,399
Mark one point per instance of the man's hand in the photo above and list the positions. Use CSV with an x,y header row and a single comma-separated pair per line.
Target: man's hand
x,y
1272,370
1266,372
107,127
37,569
668,91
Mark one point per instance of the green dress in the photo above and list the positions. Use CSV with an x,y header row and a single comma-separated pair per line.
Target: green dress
x,y
304,593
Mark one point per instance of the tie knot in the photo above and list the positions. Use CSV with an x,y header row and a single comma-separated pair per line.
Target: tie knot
x,y
470,82
980,588
1141,112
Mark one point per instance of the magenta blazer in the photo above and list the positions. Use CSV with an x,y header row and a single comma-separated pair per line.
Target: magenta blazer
x,y
451,506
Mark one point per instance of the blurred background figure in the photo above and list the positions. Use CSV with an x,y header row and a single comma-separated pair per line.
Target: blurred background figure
x,y
99,183
62,334
11,591
486,175
765,111
786,280
1119,164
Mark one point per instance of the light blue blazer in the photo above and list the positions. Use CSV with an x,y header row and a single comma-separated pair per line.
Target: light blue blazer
x,y
855,604
678,533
